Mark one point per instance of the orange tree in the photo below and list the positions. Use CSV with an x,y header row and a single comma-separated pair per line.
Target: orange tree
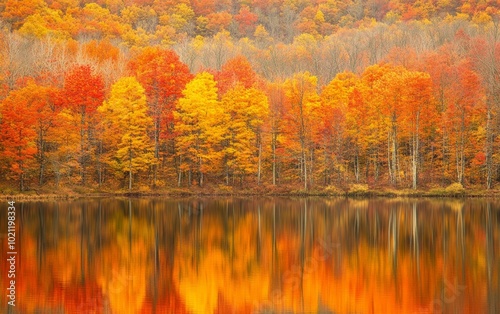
x,y
163,76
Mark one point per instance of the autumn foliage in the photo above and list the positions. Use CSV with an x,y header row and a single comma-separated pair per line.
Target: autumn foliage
x,y
304,96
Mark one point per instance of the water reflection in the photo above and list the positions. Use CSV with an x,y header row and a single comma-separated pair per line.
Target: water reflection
x,y
262,255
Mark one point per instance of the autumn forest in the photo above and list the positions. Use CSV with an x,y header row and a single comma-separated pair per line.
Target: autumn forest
x,y
261,95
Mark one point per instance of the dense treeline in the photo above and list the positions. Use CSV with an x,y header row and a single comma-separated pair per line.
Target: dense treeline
x,y
152,22
402,101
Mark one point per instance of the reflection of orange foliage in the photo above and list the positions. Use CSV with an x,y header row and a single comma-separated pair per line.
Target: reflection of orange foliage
x,y
123,279
79,298
27,276
65,263
222,281
225,262
351,290
169,303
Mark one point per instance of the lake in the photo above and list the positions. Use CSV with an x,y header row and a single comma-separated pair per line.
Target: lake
x,y
254,255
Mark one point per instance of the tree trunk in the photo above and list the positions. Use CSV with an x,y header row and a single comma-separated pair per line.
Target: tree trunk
x,y
415,153
99,164
394,156
356,164
179,175
201,175
489,149
157,150
389,165
41,156
260,161
21,181
274,157
130,168
82,147
304,169
311,168
461,153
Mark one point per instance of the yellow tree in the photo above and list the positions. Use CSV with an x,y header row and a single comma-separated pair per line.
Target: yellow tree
x,y
388,87
126,123
332,122
301,98
65,139
200,127
274,125
247,108
368,111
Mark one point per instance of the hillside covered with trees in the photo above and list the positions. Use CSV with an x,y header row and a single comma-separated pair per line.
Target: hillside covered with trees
x,y
257,95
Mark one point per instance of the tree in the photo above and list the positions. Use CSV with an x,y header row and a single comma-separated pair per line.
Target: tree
x,y
126,125
246,20
64,139
246,108
18,133
83,92
98,22
235,71
46,103
418,113
439,65
486,58
388,89
218,22
301,97
332,124
15,12
274,125
101,51
465,101
405,100
163,76
200,125
202,7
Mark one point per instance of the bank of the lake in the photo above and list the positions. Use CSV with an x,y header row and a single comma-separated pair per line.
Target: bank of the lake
x,y
354,190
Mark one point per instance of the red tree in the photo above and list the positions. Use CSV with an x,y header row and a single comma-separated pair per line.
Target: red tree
x,y
246,20
163,76
17,134
83,92
236,70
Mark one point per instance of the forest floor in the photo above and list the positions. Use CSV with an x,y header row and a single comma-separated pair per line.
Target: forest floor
x,y
354,190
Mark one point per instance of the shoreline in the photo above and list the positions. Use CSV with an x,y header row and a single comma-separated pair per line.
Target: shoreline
x,y
433,193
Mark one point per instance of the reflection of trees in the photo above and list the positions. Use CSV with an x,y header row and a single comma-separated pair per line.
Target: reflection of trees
x,y
406,263
242,255
492,261
90,257
222,268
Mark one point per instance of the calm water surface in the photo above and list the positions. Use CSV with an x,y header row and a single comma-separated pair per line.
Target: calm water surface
x,y
255,255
